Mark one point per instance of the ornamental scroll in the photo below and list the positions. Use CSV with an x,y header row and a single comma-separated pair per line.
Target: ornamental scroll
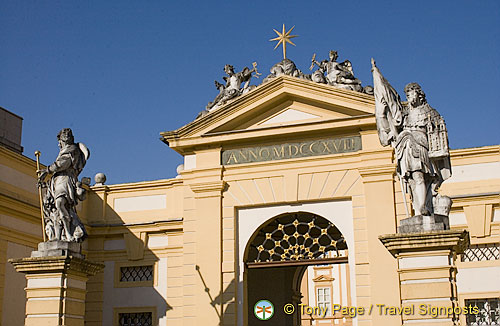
x,y
285,151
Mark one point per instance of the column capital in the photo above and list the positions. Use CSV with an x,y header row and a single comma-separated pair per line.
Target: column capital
x,y
378,173
208,189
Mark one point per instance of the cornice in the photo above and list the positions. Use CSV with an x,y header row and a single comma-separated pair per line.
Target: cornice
x,y
61,264
121,254
485,150
29,210
312,123
474,199
160,225
142,185
17,236
19,158
317,129
456,240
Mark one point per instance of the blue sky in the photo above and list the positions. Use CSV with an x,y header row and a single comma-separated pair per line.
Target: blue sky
x,y
120,72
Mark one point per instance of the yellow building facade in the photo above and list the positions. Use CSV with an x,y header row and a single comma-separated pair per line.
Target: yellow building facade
x,y
20,224
292,169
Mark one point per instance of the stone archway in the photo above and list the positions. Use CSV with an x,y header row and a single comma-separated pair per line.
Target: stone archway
x,y
277,255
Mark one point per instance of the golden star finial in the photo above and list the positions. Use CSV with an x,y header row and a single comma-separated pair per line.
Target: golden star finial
x,y
283,38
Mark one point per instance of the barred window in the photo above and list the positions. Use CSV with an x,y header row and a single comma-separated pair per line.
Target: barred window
x,y
135,319
489,312
136,273
480,252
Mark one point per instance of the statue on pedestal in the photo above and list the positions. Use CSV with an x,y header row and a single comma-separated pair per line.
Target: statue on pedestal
x,y
419,137
63,190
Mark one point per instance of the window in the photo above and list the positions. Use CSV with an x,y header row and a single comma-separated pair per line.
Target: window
x,y
134,316
136,273
135,319
489,312
324,300
480,252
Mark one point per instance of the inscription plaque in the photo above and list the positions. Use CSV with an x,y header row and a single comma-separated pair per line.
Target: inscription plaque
x,y
285,151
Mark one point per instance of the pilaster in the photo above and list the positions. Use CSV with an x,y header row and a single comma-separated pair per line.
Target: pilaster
x,y
208,237
380,280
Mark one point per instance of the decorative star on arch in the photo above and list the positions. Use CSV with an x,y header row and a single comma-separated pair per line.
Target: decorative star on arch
x,y
283,38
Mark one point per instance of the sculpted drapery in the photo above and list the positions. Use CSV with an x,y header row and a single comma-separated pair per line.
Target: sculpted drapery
x,y
64,190
418,135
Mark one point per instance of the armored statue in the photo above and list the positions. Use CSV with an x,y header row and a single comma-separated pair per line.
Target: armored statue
x,y
418,134
233,85
63,190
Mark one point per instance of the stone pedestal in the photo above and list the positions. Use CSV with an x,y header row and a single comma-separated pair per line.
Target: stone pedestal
x,y
56,287
58,248
422,223
427,274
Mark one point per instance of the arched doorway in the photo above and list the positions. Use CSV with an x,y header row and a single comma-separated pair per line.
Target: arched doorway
x,y
278,254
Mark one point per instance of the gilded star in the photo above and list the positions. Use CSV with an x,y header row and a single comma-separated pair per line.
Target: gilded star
x,y
283,38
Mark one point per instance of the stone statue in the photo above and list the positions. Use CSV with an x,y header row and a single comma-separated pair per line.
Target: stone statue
x,y
233,85
285,67
63,190
318,76
340,75
419,137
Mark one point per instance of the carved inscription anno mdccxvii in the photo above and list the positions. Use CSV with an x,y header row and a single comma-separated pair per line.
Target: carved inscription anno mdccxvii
x,y
291,150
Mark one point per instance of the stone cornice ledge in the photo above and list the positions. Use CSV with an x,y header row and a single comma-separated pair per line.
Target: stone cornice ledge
x,y
456,240
61,264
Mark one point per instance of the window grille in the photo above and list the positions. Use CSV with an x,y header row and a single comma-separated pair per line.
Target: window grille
x,y
489,312
135,319
136,273
324,300
480,252
300,236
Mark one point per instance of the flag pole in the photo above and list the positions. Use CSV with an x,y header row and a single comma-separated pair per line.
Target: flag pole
x,y
37,154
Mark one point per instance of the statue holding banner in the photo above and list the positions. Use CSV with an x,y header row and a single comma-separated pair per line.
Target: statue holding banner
x,y
418,134
63,190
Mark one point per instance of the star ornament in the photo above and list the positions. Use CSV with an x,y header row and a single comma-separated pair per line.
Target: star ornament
x,y
283,38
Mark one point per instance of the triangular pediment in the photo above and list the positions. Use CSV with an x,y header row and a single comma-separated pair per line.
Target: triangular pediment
x,y
284,102
293,111
323,278
289,115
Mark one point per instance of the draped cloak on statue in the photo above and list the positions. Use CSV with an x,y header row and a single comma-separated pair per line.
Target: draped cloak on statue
x,y
64,183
